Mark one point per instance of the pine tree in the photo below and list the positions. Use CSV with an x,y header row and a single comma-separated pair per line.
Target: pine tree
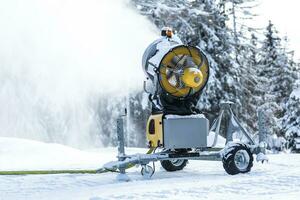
x,y
245,54
241,70
291,119
239,12
201,23
275,77
251,94
139,111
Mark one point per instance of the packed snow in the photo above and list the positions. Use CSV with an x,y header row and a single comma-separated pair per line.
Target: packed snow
x,y
277,179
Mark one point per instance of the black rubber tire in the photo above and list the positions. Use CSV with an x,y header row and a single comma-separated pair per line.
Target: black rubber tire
x,y
228,159
170,167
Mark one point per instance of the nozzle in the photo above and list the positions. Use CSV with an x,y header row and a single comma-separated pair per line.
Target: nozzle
x,y
167,31
192,77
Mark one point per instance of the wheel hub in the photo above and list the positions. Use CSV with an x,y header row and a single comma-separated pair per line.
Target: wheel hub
x,y
177,162
242,159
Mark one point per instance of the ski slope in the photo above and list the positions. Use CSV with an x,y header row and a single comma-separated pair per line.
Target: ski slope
x,y
278,179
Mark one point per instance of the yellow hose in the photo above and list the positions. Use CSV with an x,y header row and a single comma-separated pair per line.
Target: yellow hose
x,y
44,172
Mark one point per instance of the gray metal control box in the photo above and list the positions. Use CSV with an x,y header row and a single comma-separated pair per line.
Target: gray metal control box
x,y
185,131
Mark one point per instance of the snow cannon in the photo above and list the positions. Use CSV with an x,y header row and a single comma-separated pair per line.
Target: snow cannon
x,y
176,130
177,73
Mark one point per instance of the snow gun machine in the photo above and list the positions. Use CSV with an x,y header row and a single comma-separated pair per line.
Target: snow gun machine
x,y
176,130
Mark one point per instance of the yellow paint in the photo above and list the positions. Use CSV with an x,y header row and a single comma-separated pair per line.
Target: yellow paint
x,y
192,77
157,137
198,59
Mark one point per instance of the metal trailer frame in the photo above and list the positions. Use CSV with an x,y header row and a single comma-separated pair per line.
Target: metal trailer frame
x,y
207,153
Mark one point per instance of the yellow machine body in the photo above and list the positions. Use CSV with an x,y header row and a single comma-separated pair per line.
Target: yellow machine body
x,y
155,130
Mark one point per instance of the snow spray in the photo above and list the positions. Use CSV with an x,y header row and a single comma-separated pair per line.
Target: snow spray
x,y
58,57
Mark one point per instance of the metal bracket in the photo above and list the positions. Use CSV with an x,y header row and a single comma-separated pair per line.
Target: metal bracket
x,y
121,147
227,106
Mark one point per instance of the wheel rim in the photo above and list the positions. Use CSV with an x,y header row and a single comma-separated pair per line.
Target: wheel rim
x,y
147,171
177,162
242,159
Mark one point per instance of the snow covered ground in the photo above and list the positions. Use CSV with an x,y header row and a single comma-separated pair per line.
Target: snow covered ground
x,y
278,179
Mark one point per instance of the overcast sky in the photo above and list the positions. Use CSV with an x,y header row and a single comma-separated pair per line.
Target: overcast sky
x,y
285,14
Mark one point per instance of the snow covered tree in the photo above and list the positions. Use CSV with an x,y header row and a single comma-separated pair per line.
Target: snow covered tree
x,y
276,78
138,113
106,113
291,119
201,23
242,70
239,12
251,94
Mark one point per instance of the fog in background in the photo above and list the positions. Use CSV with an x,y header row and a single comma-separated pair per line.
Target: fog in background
x,y
58,57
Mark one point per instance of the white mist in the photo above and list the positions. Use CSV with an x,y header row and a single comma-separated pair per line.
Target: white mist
x,y
57,56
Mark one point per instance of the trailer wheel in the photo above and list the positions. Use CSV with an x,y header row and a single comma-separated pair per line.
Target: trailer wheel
x,y
237,159
147,171
173,165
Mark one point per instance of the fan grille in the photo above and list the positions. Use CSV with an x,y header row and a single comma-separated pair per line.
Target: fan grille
x,y
172,66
